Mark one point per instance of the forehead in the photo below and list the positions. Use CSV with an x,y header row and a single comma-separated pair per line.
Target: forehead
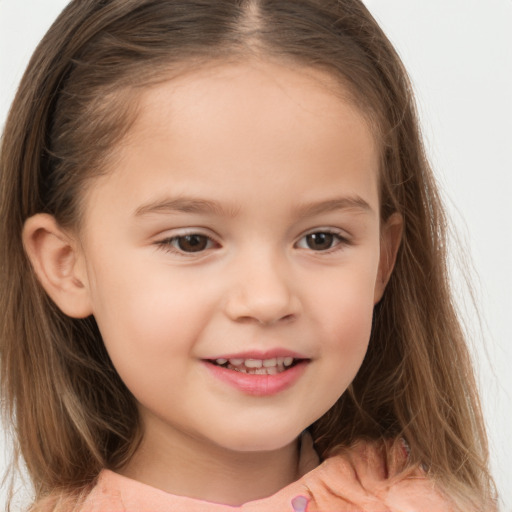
x,y
243,128
251,88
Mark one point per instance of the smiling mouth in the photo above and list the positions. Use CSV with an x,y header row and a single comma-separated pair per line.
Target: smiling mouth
x,y
271,366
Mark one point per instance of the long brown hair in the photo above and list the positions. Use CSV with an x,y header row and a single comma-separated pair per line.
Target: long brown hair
x,y
71,412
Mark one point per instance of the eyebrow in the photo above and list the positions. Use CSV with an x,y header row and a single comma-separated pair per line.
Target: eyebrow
x,y
184,205
337,203
204,206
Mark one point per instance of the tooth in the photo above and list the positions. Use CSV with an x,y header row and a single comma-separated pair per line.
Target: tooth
x,y
288,361
280,361
267,363
236,362
253,363
272,370
260,371
221,361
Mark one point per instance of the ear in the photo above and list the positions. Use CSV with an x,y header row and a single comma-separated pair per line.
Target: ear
x,y
391,236
58,264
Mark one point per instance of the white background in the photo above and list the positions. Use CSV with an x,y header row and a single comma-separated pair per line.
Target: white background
x,y
459,55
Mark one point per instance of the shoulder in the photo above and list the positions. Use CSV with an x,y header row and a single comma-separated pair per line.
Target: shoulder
x,y
374,476
105,495
368,476
64,500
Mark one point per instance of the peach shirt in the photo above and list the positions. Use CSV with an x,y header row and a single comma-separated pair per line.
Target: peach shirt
x,y
360,479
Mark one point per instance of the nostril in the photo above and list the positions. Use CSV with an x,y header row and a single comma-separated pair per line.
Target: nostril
x,y
261,303
278,319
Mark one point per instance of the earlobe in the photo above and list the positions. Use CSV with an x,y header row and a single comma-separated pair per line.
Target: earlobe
x,y
391,236
57,262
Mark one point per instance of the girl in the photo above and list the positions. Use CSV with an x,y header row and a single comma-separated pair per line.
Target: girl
x,y
223,268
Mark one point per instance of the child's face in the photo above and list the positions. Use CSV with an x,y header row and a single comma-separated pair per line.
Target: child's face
x,y
273,179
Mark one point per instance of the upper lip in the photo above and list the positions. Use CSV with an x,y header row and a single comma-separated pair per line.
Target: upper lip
x,y
259,354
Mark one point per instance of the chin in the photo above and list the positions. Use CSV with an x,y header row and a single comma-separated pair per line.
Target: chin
x,y
260,440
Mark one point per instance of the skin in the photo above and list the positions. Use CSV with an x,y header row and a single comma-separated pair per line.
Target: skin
x,y
280,155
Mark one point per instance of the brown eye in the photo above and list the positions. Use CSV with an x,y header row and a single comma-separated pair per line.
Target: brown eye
x,y
192,243
320,241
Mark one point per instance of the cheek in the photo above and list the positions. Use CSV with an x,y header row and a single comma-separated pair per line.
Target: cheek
x,y
133,296
345,355
348,337
348,302
344,322
345,333
147,316
133,312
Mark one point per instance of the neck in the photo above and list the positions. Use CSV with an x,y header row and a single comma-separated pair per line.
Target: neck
x,y
195,468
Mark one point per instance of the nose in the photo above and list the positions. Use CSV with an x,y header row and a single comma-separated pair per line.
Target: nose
x,y
262,292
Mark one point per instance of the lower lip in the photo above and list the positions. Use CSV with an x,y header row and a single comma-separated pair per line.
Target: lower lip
x,y
259,385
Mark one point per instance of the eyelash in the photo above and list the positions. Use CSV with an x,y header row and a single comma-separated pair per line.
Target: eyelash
x,y
339,241
171,244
